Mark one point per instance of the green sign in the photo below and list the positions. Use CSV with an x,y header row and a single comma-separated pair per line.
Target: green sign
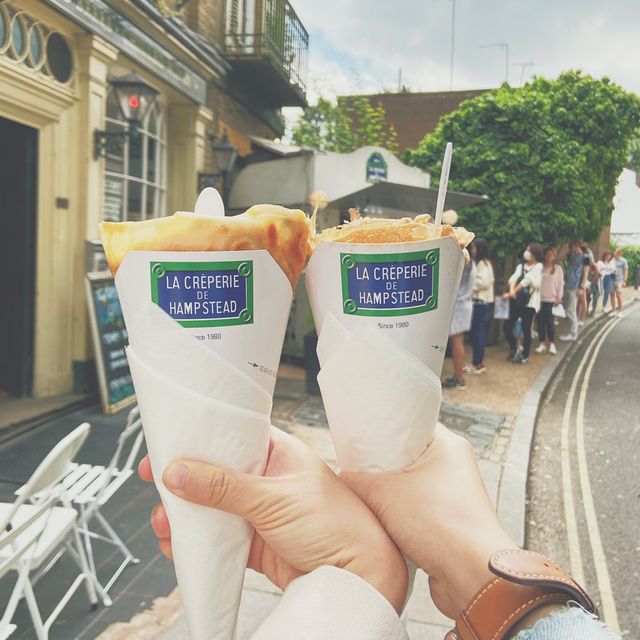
x,y
390,284
376,168
204,294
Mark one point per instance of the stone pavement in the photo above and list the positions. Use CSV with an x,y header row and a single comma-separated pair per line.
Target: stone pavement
x,y
303,416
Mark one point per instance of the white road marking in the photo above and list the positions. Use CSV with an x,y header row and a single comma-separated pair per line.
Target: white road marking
x,y
609,611
575,555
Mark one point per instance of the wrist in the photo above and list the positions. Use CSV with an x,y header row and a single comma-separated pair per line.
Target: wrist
x,y
388,576
467,570
535,616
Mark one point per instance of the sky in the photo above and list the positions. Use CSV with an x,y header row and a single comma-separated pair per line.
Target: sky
x,y
359,46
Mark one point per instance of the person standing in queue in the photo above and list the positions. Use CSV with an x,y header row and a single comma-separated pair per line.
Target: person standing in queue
x,y
551,291
574,282
524,295
607,269
460,323
620,279
482,299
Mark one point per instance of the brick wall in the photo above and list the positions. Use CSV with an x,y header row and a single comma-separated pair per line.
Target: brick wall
x,y
207,18
238,121
414,115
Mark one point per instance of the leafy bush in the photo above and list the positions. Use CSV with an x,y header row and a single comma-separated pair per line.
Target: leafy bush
x,y
548,155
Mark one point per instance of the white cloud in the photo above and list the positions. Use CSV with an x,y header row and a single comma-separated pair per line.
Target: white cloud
x,y
379,37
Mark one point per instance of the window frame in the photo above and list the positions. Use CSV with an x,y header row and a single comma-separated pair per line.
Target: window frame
x,y
125,177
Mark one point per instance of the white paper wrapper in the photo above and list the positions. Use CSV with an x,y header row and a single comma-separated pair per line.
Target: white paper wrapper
x,y
382,313
382,403
205,392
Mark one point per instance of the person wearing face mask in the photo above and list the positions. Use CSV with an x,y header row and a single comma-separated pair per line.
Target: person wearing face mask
x,y
524,296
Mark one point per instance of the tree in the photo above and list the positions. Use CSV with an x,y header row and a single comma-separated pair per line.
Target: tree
x,y
343,127
548,155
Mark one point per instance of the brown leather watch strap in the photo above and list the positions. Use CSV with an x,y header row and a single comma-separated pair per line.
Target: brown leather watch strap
x,y
524,582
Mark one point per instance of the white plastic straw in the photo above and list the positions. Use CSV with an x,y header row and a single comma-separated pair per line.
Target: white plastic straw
x,y
444,179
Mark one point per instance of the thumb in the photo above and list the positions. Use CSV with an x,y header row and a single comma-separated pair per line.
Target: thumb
x,y
206,484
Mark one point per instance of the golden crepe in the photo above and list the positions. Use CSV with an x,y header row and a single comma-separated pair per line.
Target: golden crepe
x,y
284,233
391,230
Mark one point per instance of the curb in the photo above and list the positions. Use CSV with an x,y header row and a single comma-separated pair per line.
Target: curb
x,y
512,492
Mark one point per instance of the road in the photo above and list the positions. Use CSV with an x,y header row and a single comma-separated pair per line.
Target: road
x,y
584,482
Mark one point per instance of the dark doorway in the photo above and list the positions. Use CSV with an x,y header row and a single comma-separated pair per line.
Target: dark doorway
x,y
18,185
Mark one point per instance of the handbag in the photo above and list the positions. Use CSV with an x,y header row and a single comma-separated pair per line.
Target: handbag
x,y
558,311
524,295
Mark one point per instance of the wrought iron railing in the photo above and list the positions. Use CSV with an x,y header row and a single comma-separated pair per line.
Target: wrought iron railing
x,y
282,39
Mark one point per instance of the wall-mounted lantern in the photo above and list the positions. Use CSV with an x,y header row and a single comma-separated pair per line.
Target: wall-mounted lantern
x,y
135,98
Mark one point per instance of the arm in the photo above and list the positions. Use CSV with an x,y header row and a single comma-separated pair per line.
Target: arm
x,y
466,539
559,284
532,278
330,603
512,283
585,275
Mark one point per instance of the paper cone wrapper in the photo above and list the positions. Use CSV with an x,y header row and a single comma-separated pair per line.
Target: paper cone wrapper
x,y
204,376
382,313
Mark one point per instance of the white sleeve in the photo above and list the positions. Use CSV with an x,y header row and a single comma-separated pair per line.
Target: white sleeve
x,y
332,604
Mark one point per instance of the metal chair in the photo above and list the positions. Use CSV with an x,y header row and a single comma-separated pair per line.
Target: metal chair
x,y
92,486
32,536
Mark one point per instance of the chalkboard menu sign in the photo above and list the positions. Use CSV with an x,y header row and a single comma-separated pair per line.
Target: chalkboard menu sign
x,y
109,340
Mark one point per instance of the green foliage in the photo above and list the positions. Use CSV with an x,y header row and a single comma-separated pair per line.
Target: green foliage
x,y
344,127
547,154
632,254
634,152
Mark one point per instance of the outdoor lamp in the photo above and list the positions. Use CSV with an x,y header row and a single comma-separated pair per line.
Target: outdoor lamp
x,y
224,153
135,98
224,156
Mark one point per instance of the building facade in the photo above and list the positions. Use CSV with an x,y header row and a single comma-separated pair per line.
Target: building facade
x,y
58,60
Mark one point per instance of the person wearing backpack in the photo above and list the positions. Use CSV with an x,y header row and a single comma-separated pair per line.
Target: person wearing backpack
x,y
524,296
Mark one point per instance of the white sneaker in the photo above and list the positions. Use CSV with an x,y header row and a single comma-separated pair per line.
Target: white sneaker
x,y
567,337
552,349
581,323
541,349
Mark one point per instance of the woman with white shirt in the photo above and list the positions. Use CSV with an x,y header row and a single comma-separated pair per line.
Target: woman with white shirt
x,y
551,292
607,269
524,293
482,300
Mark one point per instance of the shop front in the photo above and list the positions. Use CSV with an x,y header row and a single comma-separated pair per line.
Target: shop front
x,y
68,161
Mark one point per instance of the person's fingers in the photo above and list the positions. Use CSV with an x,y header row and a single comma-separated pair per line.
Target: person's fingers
x,y
160,522
144,469
211,486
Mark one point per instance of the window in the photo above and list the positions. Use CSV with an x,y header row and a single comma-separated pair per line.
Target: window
x,y
135,174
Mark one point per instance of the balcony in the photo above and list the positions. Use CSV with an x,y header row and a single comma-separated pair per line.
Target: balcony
x,y
270,60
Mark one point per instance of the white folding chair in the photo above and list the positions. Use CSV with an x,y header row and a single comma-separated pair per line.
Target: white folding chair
x,y
90,487
33,535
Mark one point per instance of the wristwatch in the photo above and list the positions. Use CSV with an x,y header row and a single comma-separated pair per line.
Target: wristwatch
x,y
525,581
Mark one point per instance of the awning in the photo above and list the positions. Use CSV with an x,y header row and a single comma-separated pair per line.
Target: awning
x,y
402,197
